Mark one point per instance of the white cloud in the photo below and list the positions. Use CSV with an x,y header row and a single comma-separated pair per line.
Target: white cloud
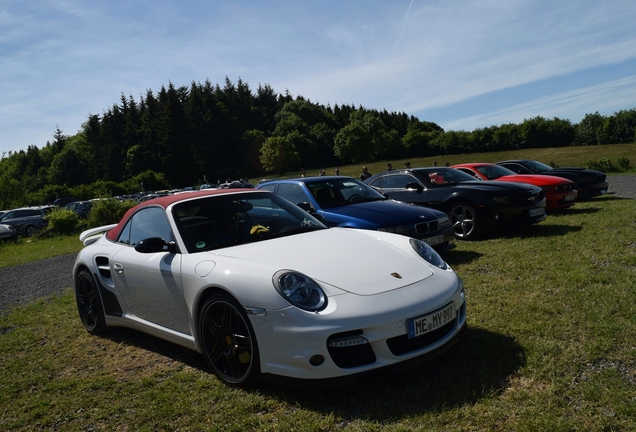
x,y
61,60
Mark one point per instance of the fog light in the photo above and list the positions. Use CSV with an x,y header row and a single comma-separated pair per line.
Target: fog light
x,y
316,360
348,342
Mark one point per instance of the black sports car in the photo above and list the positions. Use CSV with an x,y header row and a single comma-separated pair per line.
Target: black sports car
x,y
473,206
589,183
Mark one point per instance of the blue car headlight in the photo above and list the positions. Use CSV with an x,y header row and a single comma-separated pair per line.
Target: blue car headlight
x,y
428,253
300,290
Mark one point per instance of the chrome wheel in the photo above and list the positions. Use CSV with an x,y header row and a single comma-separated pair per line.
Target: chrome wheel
x,y
228,342
464,220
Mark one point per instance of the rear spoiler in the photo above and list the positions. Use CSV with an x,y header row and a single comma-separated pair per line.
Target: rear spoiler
x,y
90,236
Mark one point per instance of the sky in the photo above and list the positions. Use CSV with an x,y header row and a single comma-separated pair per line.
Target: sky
x,y
459,63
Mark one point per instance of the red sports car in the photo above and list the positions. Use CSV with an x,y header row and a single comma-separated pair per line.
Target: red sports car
x,y
559,192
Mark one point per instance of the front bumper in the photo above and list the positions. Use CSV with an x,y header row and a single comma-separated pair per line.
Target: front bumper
x,y
294,344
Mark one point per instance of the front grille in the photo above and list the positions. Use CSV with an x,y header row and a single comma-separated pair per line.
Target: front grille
x,y
350,356
427,227
567,187
402,344
421,228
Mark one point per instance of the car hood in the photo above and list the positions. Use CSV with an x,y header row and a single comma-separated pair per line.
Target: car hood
x,y
498,186
576,171
535,179
385,212
362,262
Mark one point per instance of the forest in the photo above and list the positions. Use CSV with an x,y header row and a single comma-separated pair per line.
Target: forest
x,y
185,136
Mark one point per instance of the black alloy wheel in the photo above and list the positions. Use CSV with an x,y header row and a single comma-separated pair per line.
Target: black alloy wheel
x,y
89,303
228,341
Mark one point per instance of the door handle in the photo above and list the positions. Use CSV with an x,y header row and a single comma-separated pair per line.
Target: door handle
x,y
118,268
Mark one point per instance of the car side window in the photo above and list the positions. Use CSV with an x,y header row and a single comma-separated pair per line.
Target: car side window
x,y
269,187
398,181
519,169
146,223
293,193
469,172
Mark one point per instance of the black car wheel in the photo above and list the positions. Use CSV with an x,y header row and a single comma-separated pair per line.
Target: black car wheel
x,y
228,341
464,220
29,230
89,303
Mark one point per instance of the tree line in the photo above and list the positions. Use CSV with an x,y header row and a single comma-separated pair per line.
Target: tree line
x,y
184,136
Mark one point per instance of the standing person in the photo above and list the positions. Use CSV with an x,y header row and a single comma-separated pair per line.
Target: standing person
x,y
434,163
365,174
407,165
389,166
322,173
336,172
303,173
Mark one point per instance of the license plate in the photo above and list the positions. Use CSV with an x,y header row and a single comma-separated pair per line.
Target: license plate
x,y
427,323
536,211
435,240
569,198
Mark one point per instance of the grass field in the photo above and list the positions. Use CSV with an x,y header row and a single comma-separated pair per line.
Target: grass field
x,y
561,156
550,346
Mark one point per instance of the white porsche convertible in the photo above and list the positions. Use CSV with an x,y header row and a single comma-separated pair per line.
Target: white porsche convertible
x,y
265,291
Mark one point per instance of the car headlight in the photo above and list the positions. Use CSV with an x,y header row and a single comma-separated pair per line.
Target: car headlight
x,y
428,253
300,290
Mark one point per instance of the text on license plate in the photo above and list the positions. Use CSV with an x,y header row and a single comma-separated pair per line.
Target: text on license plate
x,y
536,211
435,240
426,323
569,198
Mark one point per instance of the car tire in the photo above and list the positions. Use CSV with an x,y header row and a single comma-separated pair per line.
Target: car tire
x,y
464,220
89,303
29,230
228,341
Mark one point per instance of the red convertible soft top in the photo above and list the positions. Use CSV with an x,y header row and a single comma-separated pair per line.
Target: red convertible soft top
x,y
167,200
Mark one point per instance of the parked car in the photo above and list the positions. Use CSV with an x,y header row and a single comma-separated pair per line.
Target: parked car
x,y
266,291
7,233
559,192
588,183
27,220
474,207
81,208
347,202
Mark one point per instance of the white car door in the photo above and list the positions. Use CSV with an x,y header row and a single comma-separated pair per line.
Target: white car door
x,y
150,283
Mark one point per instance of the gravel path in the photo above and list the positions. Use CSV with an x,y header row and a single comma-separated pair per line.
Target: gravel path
x,y
26,282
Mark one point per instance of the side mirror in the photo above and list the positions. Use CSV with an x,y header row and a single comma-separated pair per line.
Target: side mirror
x,y
312,211
155,244
305,206
415,186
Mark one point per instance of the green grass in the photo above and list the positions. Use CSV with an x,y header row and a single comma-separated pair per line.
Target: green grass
x,y
550,346
28,249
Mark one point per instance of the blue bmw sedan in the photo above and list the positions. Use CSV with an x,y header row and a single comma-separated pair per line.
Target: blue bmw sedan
x,y
347,202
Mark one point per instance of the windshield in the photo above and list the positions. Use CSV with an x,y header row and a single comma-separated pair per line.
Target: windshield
x,y
227,220
439,177
492,172
341,191
537,167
